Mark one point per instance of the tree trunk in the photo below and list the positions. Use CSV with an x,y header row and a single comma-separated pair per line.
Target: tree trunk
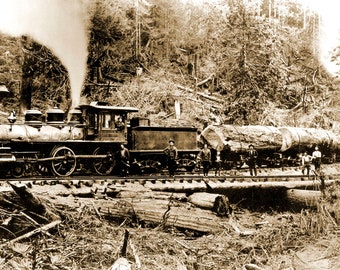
x,y
27,76
215,202
152,212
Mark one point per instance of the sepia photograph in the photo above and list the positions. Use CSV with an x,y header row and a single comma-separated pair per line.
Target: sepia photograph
x,y
169,135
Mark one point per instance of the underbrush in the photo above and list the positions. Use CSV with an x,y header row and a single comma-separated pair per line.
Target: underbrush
x,y
276,240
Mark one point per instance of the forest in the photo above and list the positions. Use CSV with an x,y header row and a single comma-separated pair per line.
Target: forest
x,y
245,62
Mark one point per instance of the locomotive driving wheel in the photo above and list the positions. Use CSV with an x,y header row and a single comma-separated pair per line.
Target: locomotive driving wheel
x,y
103,166
64,162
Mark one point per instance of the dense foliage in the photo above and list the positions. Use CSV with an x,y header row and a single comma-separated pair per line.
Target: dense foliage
x,y
257,52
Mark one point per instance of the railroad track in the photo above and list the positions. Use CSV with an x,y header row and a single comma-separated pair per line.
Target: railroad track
x,y
179,183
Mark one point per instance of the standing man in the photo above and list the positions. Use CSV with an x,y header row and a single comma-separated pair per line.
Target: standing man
x,y
123,160
251,160
205,157
172,155
305,162
316,159
218,163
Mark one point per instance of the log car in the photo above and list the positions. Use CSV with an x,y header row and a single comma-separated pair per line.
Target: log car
x,y
277,146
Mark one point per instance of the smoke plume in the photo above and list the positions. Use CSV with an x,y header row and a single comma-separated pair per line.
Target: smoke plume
x,y
60,25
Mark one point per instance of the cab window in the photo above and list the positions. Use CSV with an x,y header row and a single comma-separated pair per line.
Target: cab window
x,y
107,121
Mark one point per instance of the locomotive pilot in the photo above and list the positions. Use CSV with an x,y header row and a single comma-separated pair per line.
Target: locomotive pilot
x,y
171,155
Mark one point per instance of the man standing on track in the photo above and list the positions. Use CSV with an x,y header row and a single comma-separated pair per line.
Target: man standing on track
x,y
316,159
251,160
205,157
123,160
172,155
306,160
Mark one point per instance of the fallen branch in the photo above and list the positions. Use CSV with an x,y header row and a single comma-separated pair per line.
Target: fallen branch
x,y
34,222
31,233
134,252
232,223
251,266
217,100
210,77
96,210
323,207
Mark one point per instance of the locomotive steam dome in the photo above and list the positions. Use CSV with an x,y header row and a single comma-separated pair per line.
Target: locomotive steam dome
x,y
33,118
75,116
55,117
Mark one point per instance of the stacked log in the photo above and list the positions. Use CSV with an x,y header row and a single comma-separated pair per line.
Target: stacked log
x,y
215,202
297,197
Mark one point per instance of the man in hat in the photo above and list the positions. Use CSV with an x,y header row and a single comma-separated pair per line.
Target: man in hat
x,y
316,159
305,162
172,155
204,156
251,160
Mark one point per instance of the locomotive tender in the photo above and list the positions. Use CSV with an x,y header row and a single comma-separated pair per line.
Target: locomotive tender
x,y
89,140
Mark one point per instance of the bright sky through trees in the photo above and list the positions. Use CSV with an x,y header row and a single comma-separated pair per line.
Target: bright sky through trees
x,y
330,26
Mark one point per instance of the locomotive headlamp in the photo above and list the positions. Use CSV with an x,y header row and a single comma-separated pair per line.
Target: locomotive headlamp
x,y
12,118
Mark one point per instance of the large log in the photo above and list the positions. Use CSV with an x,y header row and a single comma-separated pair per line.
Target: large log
x,y
238,138
152,212
306,138
148,194
279,182
310,198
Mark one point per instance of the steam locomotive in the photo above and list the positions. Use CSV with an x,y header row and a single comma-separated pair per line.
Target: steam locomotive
x,y
89,140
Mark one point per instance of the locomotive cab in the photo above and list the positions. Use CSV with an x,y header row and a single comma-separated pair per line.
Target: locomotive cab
x,y
106,123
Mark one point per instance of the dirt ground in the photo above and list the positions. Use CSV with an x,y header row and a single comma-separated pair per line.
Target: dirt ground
x,y
290,240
